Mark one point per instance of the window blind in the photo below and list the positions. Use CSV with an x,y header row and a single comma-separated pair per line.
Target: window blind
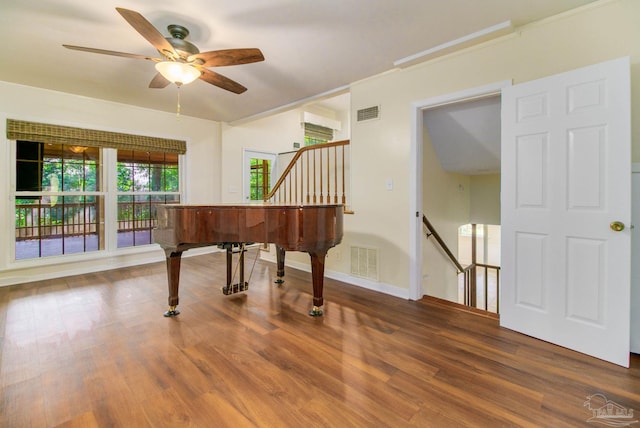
x,y
318,132
56,134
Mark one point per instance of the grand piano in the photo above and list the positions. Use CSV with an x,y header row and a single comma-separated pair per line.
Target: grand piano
x,y
313,229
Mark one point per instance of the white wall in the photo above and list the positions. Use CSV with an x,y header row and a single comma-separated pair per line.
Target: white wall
x,y
485,199
446,204
381,148
27,103
273,134
345,133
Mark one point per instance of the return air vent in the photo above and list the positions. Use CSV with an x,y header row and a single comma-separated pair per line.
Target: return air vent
x,y
364,262
368,113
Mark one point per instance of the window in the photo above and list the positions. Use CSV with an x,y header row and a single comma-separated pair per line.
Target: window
x,y
59,208
64,194
260,180
316,134
145,180
257,174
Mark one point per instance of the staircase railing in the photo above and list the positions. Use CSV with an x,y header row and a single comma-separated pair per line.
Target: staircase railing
x,y
469,273
487,271
469,283
431,231
317,174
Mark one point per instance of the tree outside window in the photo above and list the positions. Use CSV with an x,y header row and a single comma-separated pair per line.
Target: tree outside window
x,y
60,200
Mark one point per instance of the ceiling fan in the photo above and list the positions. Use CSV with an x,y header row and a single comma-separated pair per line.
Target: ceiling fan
x,y
179,53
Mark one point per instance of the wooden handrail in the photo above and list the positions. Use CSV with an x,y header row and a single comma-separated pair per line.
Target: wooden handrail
x,y
314,181
446,249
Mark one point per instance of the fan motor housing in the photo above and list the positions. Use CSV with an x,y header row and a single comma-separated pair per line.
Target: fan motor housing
x,y
177,40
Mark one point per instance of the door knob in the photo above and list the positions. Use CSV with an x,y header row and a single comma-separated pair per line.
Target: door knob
x,y
617,226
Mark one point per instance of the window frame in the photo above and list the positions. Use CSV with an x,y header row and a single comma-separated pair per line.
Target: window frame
x,y
247,155
135,193
109,192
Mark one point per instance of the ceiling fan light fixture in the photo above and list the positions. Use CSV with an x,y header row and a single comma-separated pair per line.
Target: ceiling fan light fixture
x,y
179,73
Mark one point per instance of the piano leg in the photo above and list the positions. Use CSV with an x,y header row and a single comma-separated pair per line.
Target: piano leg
x,y
280,252
317,275
173,275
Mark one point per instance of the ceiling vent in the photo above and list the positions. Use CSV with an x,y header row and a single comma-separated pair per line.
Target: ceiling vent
x,y
368,113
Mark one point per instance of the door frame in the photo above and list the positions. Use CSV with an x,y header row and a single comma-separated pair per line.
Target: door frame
x,y
635,252
415,176
247,155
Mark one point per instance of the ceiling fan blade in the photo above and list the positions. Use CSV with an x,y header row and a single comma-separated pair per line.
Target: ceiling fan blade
x,y
227,57
221,81
158,82
149,32
113,53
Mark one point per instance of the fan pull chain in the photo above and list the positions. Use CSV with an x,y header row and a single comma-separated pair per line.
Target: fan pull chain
x,y
178,106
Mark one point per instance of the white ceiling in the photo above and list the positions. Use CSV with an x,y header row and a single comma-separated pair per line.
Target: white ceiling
x,y
310,47
466,135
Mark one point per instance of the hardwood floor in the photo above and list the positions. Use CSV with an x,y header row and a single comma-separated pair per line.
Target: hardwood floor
x,y
95,351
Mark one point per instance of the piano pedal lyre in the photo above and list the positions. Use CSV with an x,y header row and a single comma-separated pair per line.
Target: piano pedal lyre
x,y
235,248
235,288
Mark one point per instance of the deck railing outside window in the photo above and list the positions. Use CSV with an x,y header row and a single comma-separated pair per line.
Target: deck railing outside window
x,y
47,221
44,230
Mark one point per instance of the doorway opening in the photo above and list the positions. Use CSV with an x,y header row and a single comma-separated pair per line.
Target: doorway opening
x,y
452,185
258,175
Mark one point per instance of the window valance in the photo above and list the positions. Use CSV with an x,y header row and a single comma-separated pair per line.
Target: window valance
x,y
318,132
56,134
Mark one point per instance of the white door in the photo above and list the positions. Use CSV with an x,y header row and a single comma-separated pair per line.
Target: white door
x,y
566,176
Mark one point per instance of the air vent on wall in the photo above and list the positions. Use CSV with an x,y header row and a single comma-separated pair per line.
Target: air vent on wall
x,y
364,262
368,113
